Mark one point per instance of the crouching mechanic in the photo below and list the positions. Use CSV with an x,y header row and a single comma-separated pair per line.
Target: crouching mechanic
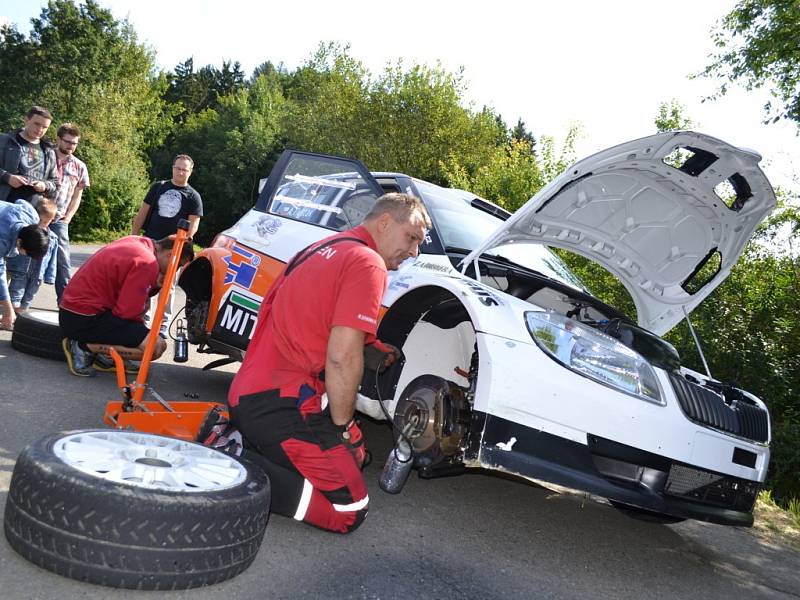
x,y
103,304
310,339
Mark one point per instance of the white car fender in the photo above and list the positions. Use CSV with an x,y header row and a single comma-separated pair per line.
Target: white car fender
x,y
489,309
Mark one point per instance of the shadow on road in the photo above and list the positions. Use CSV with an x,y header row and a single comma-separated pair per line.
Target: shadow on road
x,y
470,537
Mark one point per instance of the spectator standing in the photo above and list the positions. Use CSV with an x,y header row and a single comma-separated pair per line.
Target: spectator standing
x,y
27,273
19,233
73,178
166,203
27,160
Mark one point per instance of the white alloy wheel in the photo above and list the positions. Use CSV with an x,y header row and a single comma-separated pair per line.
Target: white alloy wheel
x,y
150,461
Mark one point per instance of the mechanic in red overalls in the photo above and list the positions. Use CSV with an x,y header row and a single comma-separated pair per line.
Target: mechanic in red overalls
x,y
317,317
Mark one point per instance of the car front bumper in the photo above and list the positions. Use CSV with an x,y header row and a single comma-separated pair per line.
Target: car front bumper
x,y
615,471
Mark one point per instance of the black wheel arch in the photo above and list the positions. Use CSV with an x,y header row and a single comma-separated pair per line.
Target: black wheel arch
x,y
430,303
196,280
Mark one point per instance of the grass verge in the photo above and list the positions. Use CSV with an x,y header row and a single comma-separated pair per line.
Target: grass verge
x,y
774,522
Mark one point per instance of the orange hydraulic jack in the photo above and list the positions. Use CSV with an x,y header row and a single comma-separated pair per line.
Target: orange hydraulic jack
x,y
179,420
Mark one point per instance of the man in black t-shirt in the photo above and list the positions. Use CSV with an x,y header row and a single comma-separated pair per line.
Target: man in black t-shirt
x,y
165,204
28,162
169,201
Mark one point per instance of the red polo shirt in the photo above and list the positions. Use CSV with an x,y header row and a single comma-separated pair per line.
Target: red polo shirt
x,y
340,285
118,277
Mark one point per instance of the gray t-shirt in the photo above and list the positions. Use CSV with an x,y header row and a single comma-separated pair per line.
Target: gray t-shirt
x,y
32,165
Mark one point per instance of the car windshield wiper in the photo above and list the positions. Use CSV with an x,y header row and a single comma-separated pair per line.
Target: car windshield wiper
x,y
457,249
497,258
490,208
508,261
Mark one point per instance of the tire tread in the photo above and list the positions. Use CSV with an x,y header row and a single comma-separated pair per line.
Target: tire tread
x,y
111,534
37,338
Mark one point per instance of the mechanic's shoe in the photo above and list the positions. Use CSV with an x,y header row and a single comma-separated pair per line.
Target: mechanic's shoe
x,y
79,360
106,364
219,433
230,442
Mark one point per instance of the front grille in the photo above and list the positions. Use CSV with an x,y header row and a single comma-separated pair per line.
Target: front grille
x,y
705,407
711,488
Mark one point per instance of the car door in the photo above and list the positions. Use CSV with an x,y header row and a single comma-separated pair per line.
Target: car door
x,y
306,197
328,191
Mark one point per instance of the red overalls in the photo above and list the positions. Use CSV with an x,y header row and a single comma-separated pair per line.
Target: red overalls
x,y
276,398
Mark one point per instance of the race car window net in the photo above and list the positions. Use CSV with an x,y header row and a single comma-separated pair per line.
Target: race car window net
x,y
322,191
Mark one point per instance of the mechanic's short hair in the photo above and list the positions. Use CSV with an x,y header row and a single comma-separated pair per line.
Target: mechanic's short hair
x,y
34,240
39,110
68,129
401,207
187,252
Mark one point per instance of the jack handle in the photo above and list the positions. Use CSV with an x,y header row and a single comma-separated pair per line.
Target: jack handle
x,y
181,237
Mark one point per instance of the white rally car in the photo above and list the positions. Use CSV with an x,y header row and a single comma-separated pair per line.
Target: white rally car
x,y
510,364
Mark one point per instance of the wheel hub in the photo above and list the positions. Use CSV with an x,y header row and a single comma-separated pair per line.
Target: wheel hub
x,y
149,461
428,412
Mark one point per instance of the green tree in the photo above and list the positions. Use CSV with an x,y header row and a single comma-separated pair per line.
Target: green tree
x,y
328,96
233,147
671,117
418,116
98,76
758,47
509,177
511,173
520,132
403,120
195,91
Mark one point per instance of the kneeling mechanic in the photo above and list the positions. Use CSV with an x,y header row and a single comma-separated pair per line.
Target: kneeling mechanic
x,y
317,318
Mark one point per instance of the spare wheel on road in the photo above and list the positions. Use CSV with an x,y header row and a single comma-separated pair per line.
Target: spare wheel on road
x,y
37,332
134,510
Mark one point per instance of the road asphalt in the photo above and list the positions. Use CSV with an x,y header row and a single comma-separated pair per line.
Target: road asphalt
x,y
471,537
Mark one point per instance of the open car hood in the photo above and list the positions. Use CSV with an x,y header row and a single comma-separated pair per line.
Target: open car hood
x,y
647,210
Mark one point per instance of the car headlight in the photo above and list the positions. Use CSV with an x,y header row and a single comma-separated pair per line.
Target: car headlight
x,y
594,355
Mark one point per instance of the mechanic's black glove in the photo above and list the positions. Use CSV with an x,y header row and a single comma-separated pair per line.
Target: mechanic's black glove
x,y
379,356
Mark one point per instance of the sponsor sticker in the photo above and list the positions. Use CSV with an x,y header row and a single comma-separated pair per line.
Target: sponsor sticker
x,y
242,267
428,266
239,315
486,297
399,282
267,225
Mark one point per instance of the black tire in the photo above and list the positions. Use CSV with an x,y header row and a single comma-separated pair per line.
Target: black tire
x,y
37,332
130,534
644,515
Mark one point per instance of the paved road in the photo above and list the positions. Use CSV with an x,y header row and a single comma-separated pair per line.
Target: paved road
x,y
469,537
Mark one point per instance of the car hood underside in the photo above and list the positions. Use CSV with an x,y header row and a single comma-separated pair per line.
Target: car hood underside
x,y
669,215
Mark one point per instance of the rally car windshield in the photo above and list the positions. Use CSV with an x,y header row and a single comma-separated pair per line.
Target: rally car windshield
x,y
462,226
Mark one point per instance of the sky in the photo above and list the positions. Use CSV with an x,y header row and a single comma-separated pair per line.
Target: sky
x,y
604,65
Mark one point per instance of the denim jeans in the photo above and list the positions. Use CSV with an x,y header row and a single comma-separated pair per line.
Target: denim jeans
x,y
23,285
3,283
63,264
